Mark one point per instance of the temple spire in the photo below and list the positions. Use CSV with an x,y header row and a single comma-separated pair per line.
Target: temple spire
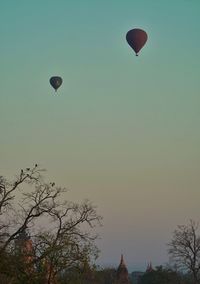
x,y
122,260
149,267
122,272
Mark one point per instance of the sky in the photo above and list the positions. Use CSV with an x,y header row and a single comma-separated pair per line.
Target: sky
x,y
122,131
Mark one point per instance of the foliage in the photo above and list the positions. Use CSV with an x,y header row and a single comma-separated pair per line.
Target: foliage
x,y
160,275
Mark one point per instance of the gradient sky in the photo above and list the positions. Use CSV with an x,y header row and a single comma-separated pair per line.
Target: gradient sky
x,y
121,131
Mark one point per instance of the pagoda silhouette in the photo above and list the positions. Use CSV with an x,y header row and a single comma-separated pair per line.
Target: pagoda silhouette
x,y
122,273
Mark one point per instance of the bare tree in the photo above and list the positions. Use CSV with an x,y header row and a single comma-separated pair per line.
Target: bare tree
x,y
184,249
17,215
66,238
69,244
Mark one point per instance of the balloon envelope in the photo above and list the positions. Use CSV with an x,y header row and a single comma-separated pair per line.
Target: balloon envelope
x,y
55,82
136,38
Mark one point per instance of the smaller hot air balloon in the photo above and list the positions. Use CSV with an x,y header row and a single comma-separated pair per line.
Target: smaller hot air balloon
x,y
55,82
136,38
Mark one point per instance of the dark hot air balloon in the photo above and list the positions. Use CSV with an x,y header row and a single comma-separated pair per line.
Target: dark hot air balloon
x,y
55,82
136,38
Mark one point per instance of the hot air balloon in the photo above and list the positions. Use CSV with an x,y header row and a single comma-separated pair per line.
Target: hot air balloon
x,y
55,82
136,38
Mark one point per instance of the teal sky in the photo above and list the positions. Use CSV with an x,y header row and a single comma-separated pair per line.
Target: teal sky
x,y
121,131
